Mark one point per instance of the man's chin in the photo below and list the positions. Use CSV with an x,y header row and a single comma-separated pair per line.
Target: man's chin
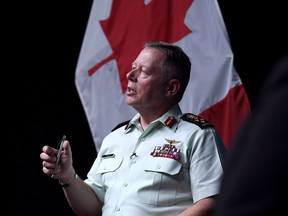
x,y
129,101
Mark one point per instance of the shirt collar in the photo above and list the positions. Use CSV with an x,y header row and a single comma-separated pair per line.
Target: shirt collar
x,y
170,119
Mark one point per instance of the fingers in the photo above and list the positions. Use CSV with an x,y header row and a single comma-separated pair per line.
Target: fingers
x,y
48,156
49,150
49,160
50,167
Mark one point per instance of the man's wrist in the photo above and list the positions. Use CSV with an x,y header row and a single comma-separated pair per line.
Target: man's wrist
x,y
68,184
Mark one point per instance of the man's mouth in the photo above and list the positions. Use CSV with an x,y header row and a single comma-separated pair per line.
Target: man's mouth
x,y
130,91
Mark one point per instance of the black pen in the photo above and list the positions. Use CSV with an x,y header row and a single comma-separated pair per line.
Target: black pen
x,y
60,146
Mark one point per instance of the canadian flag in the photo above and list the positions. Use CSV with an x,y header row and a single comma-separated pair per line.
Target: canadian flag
x,y
114,36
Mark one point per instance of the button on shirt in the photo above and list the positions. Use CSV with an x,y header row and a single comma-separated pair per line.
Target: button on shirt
x,y
132,180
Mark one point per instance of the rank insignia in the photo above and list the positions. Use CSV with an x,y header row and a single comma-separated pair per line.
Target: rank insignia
x,y
167,150
201,122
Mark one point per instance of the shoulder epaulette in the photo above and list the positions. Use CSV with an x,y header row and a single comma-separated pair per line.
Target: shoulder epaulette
x,y
120,125
201,122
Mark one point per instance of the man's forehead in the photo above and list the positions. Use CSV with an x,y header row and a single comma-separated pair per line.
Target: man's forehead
x,y
148,57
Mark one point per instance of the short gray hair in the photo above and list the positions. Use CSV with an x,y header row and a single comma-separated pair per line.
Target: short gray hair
x,y
177,64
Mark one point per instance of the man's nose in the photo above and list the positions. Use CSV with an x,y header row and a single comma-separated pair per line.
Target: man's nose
x,y
132,74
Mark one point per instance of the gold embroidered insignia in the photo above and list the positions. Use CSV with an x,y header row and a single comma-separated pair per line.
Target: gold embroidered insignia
x,y
201,122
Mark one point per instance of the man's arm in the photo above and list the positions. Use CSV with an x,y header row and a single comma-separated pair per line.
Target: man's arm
x,y
81,197
203,207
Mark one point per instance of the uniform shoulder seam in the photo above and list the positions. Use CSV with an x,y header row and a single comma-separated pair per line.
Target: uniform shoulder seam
x,y
120,125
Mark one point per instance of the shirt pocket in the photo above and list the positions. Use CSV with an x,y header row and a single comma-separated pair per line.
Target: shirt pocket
x,y
109,165
164,187
109,171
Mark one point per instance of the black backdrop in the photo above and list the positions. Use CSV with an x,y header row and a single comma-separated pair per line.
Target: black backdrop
x,y
43,43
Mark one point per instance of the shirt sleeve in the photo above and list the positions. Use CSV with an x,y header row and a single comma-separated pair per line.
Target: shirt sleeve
x,y
206,160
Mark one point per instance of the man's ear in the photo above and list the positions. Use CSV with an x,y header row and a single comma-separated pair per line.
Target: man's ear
x,y
173,87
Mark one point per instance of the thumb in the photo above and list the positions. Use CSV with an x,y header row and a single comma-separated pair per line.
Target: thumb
x,y
67,149
66,156
66,168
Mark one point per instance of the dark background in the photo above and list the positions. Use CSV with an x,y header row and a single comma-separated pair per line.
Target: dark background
x,y
42,41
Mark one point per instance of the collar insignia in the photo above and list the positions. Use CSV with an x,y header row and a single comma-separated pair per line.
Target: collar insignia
x,y
170,121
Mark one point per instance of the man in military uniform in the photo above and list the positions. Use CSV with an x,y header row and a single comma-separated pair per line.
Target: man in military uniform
x,y
162,162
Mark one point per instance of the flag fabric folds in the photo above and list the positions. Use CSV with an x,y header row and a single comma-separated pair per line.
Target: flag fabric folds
x,y
116,32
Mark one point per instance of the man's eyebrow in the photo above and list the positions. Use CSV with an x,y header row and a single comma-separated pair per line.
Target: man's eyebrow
x,y
137,66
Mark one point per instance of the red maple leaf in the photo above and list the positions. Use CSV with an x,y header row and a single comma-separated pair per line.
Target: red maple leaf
x,y
132,23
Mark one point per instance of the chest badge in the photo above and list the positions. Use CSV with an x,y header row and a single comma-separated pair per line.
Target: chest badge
x,y
167,150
